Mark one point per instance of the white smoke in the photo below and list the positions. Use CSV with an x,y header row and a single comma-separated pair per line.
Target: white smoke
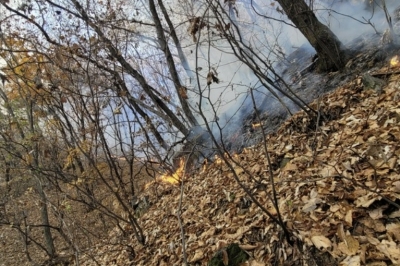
x,y
260,23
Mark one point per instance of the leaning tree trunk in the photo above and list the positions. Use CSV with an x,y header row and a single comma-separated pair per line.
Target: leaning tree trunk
x,y
331,53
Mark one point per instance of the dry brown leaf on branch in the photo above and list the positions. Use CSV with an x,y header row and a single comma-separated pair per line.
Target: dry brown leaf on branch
x,y
196,24
212,76
183,92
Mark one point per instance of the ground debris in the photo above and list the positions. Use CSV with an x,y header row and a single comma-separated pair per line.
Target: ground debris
x,y
339,192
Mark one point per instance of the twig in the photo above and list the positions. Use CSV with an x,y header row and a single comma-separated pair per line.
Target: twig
x,y
271,174
179,212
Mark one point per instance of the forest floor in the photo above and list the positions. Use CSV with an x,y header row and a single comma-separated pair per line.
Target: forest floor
x,y
337,182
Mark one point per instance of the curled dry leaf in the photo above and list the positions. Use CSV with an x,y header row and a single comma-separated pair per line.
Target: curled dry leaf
x,y
197,256
391,250
248,247
321,242
394,230
311,205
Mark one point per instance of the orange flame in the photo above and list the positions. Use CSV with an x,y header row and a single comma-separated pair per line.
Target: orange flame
x,y
174,178
205,163
395,61
256,125
217,159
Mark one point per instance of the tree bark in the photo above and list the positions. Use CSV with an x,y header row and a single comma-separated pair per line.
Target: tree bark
x,y
162,40
332,55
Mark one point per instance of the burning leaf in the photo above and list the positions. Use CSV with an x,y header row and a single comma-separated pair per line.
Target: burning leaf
x,y
394,62
175,177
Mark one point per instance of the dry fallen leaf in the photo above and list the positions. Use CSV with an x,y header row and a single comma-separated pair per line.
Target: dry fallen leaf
x,y
311,205
349,217
349,246
197,256
321,242
391,250
376,213
351,261
394,230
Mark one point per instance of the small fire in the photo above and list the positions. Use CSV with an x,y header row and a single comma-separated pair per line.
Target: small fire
x,y
395,61
217,159
256,125
176,177
205,163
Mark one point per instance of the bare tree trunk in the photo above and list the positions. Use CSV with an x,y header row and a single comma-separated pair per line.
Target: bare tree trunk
x,y
45,220
331,53
171,64
43,199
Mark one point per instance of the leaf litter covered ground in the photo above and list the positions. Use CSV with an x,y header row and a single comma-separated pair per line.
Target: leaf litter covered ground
x,y
337,178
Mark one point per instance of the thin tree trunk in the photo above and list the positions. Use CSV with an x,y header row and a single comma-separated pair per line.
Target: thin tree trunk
x,y
331,53
171,64
43,199
45,220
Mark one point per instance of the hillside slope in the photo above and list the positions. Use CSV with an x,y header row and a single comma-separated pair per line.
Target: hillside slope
x,y
337,183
